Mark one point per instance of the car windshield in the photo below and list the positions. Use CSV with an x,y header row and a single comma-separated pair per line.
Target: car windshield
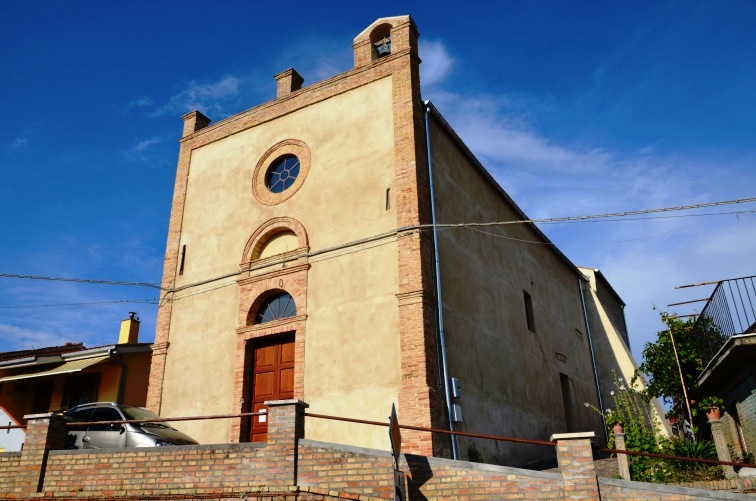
x,y
138,413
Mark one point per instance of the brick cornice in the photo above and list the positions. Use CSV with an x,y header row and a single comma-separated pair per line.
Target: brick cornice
x,y
281,272
307,96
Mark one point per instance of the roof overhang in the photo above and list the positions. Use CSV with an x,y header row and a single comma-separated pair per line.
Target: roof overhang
x,y
65,368
737,354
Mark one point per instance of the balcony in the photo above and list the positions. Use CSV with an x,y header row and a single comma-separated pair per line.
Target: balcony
x,y
730,311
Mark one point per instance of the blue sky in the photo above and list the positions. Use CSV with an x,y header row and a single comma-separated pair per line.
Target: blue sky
x,y
575,108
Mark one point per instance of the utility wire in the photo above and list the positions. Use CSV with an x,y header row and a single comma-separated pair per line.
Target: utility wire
x,y
139,301
405,231
80,280
597,216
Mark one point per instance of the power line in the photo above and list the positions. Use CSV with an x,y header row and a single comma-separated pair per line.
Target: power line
x,y
601,216
405,231
139,301
80,280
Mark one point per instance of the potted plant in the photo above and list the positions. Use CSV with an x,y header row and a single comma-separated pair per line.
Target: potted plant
x,y
712,406
614,421
671,417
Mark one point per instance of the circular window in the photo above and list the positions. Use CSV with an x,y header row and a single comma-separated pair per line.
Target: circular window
x,y
282,173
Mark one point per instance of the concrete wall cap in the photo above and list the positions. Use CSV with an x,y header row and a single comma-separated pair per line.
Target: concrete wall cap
x,y
290,401
44,415
572,436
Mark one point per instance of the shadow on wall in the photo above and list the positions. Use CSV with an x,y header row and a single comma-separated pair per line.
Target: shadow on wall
x,y
420,473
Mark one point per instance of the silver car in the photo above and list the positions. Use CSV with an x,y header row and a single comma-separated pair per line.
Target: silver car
x,y
117,435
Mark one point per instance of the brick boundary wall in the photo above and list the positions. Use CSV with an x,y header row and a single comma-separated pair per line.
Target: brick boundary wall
x,y
292,468
613,489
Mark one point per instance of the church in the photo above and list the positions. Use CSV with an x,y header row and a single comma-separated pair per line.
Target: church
x,y
323,246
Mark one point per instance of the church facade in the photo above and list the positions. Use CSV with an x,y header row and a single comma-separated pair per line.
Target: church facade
x,y
303,262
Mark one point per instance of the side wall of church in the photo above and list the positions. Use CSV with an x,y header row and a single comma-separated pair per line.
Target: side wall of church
x,y
518,378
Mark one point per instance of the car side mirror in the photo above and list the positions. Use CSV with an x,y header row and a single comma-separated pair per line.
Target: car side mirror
x,y
117,427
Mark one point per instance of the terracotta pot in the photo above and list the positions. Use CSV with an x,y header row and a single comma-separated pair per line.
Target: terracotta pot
x,y
672,420
618,428
713,413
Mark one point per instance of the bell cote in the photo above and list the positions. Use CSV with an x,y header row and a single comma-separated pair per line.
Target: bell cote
x,y
385,37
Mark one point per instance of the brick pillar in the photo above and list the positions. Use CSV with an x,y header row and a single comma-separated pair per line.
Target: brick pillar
x,y
194,121
624,467
723,453
44,432
285,428
287,82
575,458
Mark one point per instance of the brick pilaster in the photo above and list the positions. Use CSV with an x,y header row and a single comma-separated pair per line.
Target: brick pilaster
x,y
575,458
44,432
285,428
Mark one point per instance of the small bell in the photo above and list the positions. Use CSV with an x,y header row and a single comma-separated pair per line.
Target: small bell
x,y
383,47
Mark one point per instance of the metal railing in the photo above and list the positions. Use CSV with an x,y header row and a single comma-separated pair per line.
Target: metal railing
x,y
730,311
409,427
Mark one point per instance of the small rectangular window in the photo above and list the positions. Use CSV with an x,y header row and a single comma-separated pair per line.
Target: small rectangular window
x,y
529,311
388,198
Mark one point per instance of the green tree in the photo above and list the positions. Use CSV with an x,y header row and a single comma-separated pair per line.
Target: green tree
x,y
659,363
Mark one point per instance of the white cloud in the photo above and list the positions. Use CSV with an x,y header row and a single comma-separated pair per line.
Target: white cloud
x,y
143,151
143,145
142,102
437,63
207,97
18,142
20,338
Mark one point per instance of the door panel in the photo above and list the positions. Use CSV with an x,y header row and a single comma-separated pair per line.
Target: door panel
x,y
273,379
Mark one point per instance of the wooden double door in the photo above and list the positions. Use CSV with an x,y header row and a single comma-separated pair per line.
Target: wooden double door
x,y
272,379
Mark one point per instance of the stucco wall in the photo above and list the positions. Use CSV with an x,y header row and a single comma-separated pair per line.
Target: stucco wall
x,y
613,356
510,376
351,344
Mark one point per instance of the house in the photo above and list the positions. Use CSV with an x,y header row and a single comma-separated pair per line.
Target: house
x,y
59,377
303,262
725,335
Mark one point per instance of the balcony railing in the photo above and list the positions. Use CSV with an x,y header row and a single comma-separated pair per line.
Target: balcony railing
x,y
730,311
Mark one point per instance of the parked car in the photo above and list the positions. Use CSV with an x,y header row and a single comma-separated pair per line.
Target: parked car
x,y
114,435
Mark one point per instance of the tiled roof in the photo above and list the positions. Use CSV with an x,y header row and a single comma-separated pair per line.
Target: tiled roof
x,y
42,352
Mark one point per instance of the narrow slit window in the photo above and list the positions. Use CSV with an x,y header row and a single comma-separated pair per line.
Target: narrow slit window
x,y
183,258
388,198
529,311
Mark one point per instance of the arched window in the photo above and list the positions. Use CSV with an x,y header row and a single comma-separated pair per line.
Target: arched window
x,y
276,307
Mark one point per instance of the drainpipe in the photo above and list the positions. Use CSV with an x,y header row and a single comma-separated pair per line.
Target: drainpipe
x,y
124,372
627,335
439,302
593,354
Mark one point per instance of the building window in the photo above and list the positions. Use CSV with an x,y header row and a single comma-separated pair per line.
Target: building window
x,y
80,389
529,311
282,173
275,308
568,401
